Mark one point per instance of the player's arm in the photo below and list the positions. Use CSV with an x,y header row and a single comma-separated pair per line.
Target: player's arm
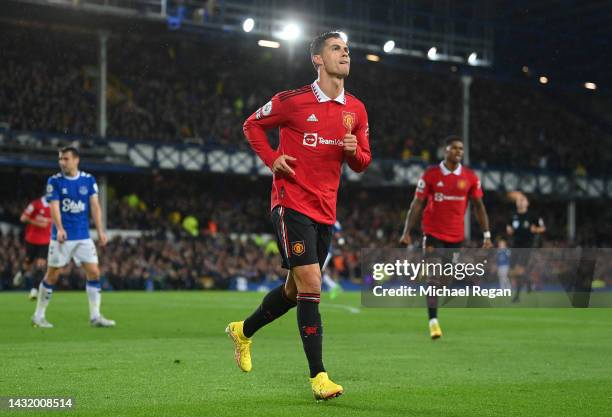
x,y
26,217
53,198
481,212
96,213
483,221
270,116
412,218
538,227
357,146
423,189
57,220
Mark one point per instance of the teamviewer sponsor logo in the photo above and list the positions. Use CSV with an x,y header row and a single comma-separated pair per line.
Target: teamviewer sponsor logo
x,y
443,197
333,142
310,139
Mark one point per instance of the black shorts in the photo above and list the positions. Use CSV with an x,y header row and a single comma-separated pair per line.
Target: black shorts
x,y
431,245
520,257
34,252
301,240
433,242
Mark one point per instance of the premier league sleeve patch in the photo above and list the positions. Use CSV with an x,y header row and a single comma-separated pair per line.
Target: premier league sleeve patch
x,y
264,110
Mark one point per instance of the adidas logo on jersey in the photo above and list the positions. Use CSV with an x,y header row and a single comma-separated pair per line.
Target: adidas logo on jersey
x,y
440,184
312,118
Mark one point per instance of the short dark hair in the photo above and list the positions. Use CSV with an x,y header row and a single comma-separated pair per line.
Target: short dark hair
x,y
450,139
71,149
316,46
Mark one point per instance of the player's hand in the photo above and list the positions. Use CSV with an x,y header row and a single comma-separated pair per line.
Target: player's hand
x,y
61,236
350,144
281,165
406,240
102,239
487,244
42,221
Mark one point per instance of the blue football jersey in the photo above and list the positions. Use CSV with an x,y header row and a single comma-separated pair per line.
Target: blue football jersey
x,y
73,194
503,257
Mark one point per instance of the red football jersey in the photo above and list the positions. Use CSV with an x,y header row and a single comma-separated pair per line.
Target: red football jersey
x,y
38,210
447,194
312,128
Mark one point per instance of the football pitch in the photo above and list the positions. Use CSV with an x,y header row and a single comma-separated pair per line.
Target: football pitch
x,y
169,356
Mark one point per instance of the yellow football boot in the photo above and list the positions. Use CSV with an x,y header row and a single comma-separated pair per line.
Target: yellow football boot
x,y
323,388
242,345
434,330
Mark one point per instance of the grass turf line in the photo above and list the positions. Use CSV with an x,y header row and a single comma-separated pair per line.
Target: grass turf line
x,y
169,356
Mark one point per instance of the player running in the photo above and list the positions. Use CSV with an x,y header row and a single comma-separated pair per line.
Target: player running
x,y
321,127
502,262
37,218
71,194
523,228
445,188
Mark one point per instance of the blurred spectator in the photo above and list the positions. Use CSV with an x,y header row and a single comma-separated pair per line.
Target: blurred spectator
x,y
163,89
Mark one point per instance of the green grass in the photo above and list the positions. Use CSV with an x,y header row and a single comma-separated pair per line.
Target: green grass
x,y
169,356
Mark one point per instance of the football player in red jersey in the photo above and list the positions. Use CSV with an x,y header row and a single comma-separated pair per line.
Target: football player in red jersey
x,y
442,195
37,218
321,127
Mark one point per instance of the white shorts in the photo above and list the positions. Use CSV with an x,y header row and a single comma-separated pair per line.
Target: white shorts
x,y
82,251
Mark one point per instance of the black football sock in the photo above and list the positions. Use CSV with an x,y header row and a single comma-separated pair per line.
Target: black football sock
x,y
274,305
311,330
519,287
432,312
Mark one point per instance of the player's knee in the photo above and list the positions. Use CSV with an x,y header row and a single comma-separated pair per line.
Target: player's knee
x,y
307,278
52,275
291,291
92,273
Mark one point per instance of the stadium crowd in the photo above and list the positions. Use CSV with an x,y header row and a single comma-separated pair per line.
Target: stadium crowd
x,y
197,234
174,89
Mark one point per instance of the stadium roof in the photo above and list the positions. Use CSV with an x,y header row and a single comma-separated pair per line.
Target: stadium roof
x,y
569,40
566,40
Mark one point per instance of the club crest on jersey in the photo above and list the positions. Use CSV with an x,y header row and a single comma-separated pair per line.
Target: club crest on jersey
x,y
83,190
298,248
310,139
348,120
461,184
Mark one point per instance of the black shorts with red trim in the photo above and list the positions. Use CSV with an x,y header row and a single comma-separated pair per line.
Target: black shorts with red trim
x,y
301,240
34,251
430,241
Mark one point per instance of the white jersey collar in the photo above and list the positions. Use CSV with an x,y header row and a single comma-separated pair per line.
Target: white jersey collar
x,y
78,174
446,171
43,200
322,98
